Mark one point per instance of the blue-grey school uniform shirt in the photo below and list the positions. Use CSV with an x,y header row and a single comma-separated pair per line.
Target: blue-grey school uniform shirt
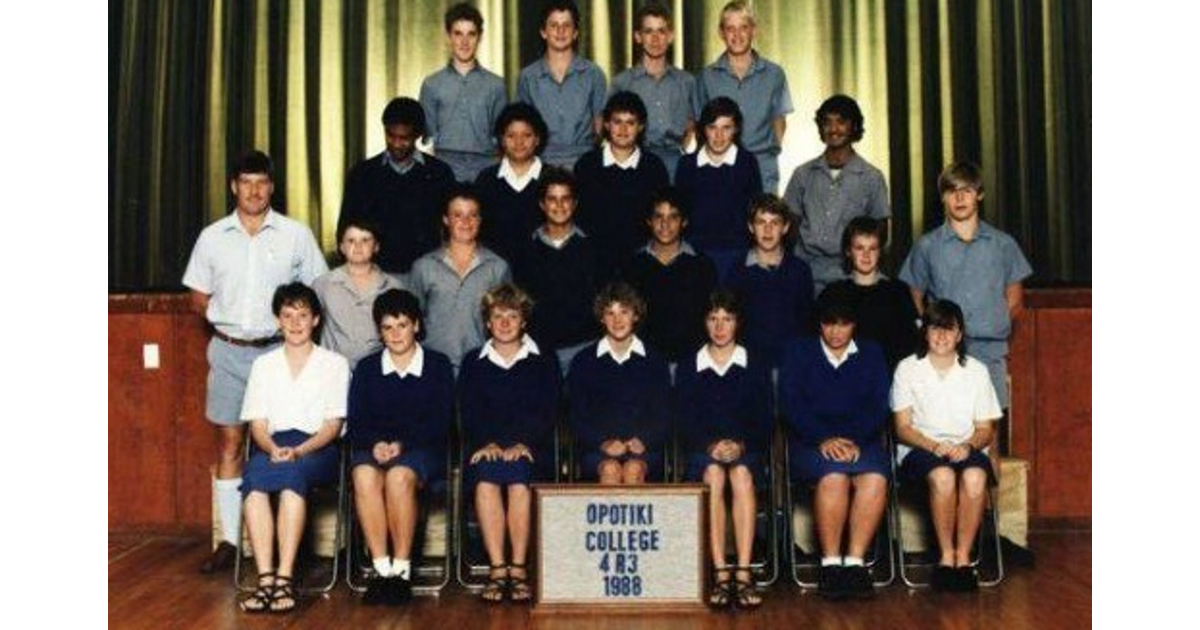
x,y
762,96
461,109
568,107
824,204
453,324
973,274
671,100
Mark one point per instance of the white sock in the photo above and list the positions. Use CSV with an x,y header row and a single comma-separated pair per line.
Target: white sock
x,y
229,508
852,561
401,568
383,566
831,561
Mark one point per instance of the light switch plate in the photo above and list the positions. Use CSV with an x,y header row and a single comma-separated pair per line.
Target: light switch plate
x,y
150,356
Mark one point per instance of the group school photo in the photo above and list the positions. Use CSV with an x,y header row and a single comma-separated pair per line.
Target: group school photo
x,y
645,313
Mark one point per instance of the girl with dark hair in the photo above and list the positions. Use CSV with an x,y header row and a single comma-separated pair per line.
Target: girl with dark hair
x,y
945,412
724,418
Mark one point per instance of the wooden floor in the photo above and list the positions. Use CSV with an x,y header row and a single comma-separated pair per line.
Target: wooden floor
x,y
153,583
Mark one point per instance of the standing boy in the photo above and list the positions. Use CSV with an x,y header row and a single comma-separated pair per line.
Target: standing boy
x,y
758,86
669,93
233,272
674,279
828,191
463,99
567,89
969,262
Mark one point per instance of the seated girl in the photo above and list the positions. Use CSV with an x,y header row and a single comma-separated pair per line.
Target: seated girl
x,y
884,307
834,390
348,291
295,402
945,410
724,420
399,411
619,390
508,397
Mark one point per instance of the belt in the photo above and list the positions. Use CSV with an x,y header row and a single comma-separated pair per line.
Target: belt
x,y
261,342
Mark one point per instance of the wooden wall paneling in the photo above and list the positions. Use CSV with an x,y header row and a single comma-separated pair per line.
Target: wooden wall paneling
x,y
195,438
141,402
1022,371
1064,402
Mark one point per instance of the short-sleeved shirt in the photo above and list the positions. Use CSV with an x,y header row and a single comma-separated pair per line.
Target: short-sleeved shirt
x,y
973,274
461,109
453,323
240,272
348,327
824,205
303,402
568,107
671,101
944,407
762,95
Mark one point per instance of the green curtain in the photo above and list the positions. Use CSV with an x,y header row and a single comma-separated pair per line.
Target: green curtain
x,y
192,84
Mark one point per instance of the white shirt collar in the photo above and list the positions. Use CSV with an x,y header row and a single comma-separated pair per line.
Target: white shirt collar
x,y
635,347
608,159
519,182
729,157
704,360
528,347
414,367
834,361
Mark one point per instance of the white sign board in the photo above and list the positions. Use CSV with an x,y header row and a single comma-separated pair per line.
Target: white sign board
x,y
621,546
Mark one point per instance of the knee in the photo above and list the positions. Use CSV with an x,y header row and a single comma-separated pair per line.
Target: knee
x,y
485,490
942,480
714,476
974,483
609,471
741,480
403,479
518,492
634,471
870,486
834,483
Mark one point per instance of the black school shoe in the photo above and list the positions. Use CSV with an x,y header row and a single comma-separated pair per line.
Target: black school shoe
x,y
831,582
944,578
377,592
858,582
400,590
965,580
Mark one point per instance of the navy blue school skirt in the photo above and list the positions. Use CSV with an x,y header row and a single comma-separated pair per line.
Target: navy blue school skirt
x,y
314,469
919,463
808,465
427,466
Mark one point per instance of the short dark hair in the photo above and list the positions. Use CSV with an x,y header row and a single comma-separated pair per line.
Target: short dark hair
x,y
861,226
555,176
769,203
629,103
507,295
718,107
845,107
653,8
461,12
403,110
295,294
396,303
363,223
252,162
619,292
726,300
837,304
671,196
961,173
521,112
462,190
943,314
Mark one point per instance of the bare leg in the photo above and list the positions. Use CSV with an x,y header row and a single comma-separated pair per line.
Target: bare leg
x,y
741,481
866,511
609,472
943,499
832,508
519,502
290,524
970,512
714,476
261,523
489,509
368,501
400,487
634,472
230,440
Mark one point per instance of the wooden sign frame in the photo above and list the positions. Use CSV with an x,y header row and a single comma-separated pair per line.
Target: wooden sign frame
x,y
693,603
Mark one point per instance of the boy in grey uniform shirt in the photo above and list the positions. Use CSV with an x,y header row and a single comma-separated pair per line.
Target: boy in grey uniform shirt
x,y
463,99
672,104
